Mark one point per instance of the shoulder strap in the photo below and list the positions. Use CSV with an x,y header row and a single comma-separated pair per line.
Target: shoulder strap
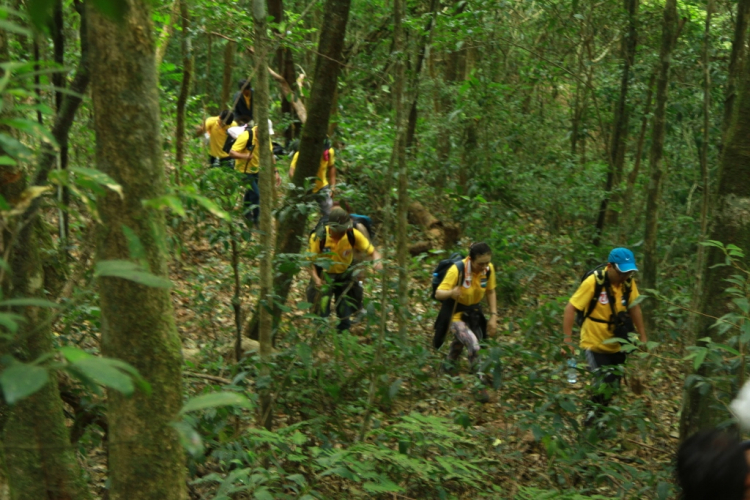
x,y
460,266
350,236
322,240
627,287
600,277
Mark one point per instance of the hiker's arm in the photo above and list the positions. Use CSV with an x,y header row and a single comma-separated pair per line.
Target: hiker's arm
x,y
200,129
568,320
315,277
291,170
453,293
375,257
278,177
637,315
492,302
239,156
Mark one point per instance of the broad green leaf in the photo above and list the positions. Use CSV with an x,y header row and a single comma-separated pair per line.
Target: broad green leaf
x,y
130,271
11,321
28,302
13,28
699,358
135,246
104,372
214,400
7,160
211,206
40,13
189,438
262,494
21,380
98,177
169,201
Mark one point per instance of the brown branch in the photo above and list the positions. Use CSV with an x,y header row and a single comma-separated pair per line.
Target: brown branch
x,y
212,378
299,106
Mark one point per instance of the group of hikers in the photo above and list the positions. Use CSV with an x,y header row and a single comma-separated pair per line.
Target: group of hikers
x,y
603,303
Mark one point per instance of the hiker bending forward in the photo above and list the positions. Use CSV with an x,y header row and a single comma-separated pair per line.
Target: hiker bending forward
x,y
336,242
466,290
605,299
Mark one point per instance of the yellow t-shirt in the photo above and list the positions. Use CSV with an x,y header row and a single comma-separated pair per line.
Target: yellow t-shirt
x,y
251,166
593,333
475,293
217,136
321,180
340,252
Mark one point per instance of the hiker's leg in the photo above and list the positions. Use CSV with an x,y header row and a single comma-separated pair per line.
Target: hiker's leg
x,y
325,202
343,307
252,198
607,371
211,161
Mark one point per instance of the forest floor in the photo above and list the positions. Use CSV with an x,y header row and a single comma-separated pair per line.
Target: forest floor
x,y
202,299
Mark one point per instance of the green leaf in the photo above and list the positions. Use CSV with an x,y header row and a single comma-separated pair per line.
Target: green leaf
x,y
20,380
189,438
214,400
13,28
130,271
113,9
262,494
98,177
40,13
699,358
135,246
169,201
211,206
7,160
28,302
113,373
11,321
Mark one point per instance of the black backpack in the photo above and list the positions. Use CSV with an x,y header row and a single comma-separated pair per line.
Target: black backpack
x,y
367,222
602,284
229,142
438,274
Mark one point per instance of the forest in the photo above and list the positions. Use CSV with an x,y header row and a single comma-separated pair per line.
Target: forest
x,y
191,309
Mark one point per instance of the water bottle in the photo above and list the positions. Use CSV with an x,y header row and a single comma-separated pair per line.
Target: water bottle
x,y
572,372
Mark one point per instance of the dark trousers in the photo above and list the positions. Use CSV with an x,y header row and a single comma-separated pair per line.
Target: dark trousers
x,y
220,162
607,370
342,291
252,198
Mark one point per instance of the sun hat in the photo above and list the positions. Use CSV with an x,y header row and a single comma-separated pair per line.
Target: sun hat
x,y
339,220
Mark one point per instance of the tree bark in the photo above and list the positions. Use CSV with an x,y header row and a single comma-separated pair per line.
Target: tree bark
x,y
655,158
187,72
291,233
285,68
736,62
146,460
730,224
411,128
266,178
226,82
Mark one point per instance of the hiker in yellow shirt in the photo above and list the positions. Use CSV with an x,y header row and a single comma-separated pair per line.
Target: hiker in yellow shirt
x,y
243,101
468,286
603,301
216,128
336,242
247,157
325,181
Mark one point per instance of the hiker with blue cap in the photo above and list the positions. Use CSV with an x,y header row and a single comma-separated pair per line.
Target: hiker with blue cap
x,y
602,307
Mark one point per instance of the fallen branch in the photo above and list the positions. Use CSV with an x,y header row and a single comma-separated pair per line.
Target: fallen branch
x,y
299,107
212,378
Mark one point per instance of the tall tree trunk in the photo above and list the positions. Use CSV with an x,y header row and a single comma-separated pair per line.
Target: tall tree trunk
x,y
706,198
291,233
285,67
49,470
226,82
146,461
187,71
736,62
266,207
166,33
729,225
399,150
622,115
655,157
59,82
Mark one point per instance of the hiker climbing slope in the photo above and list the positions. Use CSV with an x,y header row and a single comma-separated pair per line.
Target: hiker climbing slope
x,y
216,127
325,181
336,242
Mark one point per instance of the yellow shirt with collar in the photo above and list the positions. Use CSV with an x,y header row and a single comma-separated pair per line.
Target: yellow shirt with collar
x,y
217,136
480,283
251,166
321,180
340,252
594,333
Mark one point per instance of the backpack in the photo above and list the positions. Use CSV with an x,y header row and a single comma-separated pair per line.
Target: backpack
x,y
320,231
231,139
438,274
365,221
602,284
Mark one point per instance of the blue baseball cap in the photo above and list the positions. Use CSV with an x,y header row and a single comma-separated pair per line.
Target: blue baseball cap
x,y
623,259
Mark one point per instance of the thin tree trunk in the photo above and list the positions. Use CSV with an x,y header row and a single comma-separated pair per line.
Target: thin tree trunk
x,y
59,82
736,62
291,233
426,40
187,71
706,199
399,149
226,82
266,207
285,68
622,115
208,82
730,225
166,33
146,460
37,82
655,157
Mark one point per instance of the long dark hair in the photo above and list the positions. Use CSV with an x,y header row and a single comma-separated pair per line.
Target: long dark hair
x,y
477,249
